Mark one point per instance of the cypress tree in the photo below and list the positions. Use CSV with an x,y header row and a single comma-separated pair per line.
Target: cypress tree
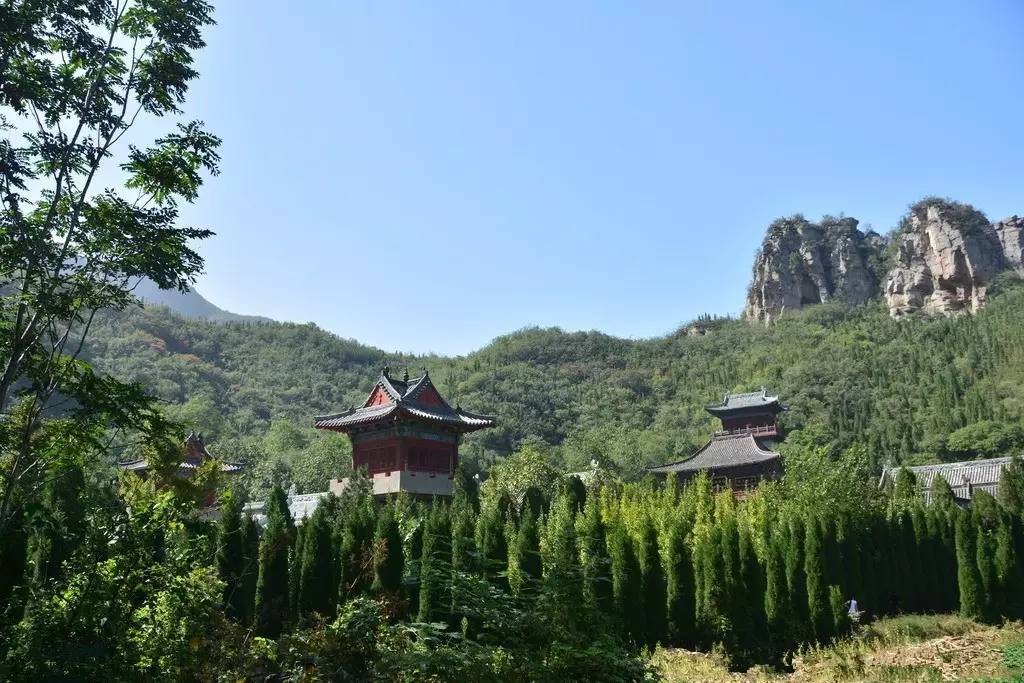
x,y
388,562
231,555
526,554
272,583
985,518
250,568
562,580
712,599
968,578
349,564
493,547
430,573
680,589
796,580
776,594
414,551
1011,488
626,586
818,607
435,568
751,626
464,554
1008,575
652,579
577,493
942,494
596,564
295,571
317,566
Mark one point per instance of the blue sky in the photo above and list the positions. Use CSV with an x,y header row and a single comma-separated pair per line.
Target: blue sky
x,y
427,176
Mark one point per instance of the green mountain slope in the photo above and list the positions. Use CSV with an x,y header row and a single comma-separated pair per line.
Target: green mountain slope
x,y
853,374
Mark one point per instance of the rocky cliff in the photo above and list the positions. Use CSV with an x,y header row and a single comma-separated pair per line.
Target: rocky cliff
x,y
946,256
802,263
942,260
1010,232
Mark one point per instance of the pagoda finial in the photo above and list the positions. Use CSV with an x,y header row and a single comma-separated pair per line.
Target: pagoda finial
x,y
405,376
386,371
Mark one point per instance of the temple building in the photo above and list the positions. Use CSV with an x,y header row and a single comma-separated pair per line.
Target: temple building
x,y
964,478
405,435
195,455
740,455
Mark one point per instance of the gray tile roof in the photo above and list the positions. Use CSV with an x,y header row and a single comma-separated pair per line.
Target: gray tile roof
x,y
196,454
722,452
752,399
963,477
405,401
141,465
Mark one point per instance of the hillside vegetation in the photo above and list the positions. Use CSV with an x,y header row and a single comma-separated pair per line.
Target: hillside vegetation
x,y
919,389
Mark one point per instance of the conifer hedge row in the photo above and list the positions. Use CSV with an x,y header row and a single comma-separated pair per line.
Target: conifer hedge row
x,y
653,563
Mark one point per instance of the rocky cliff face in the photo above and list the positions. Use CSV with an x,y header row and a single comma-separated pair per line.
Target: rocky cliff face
x,y
1010,232
947,254
802,263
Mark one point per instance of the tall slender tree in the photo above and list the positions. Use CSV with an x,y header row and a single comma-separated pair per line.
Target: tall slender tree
x,y
272,582
627,586
968,578
388,561
525,556
680,588
818,607
317,566
596,564
231,555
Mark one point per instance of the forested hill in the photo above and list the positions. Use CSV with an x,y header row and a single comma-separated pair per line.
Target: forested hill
x,y
901,388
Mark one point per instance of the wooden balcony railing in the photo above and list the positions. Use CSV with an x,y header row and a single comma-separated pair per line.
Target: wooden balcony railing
x,y
765,430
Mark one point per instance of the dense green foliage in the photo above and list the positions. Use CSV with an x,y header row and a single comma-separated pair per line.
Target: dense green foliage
x,y
916,390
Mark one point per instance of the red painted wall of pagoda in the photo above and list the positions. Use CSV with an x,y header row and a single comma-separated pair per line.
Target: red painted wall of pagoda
x,y
378,397
402,453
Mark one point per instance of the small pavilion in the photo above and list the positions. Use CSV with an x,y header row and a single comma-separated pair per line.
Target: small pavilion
x,y
405,435
740,455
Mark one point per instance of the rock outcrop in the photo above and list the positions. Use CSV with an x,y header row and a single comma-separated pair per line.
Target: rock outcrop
x,y
947,254
1010,232
802,263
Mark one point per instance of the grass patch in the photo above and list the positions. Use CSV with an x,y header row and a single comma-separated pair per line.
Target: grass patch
x,y
906,649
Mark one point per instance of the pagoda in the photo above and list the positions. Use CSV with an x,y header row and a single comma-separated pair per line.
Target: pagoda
x,y
740,455
405,435
195,455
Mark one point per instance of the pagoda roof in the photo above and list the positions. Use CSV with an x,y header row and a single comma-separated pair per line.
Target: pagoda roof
x,y
196,454
393,399
722,452
745,402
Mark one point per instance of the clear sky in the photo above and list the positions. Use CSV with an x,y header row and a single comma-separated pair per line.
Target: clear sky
x,y
425,176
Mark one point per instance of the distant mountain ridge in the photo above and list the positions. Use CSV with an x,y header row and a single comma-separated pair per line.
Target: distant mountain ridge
x,y
190,304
